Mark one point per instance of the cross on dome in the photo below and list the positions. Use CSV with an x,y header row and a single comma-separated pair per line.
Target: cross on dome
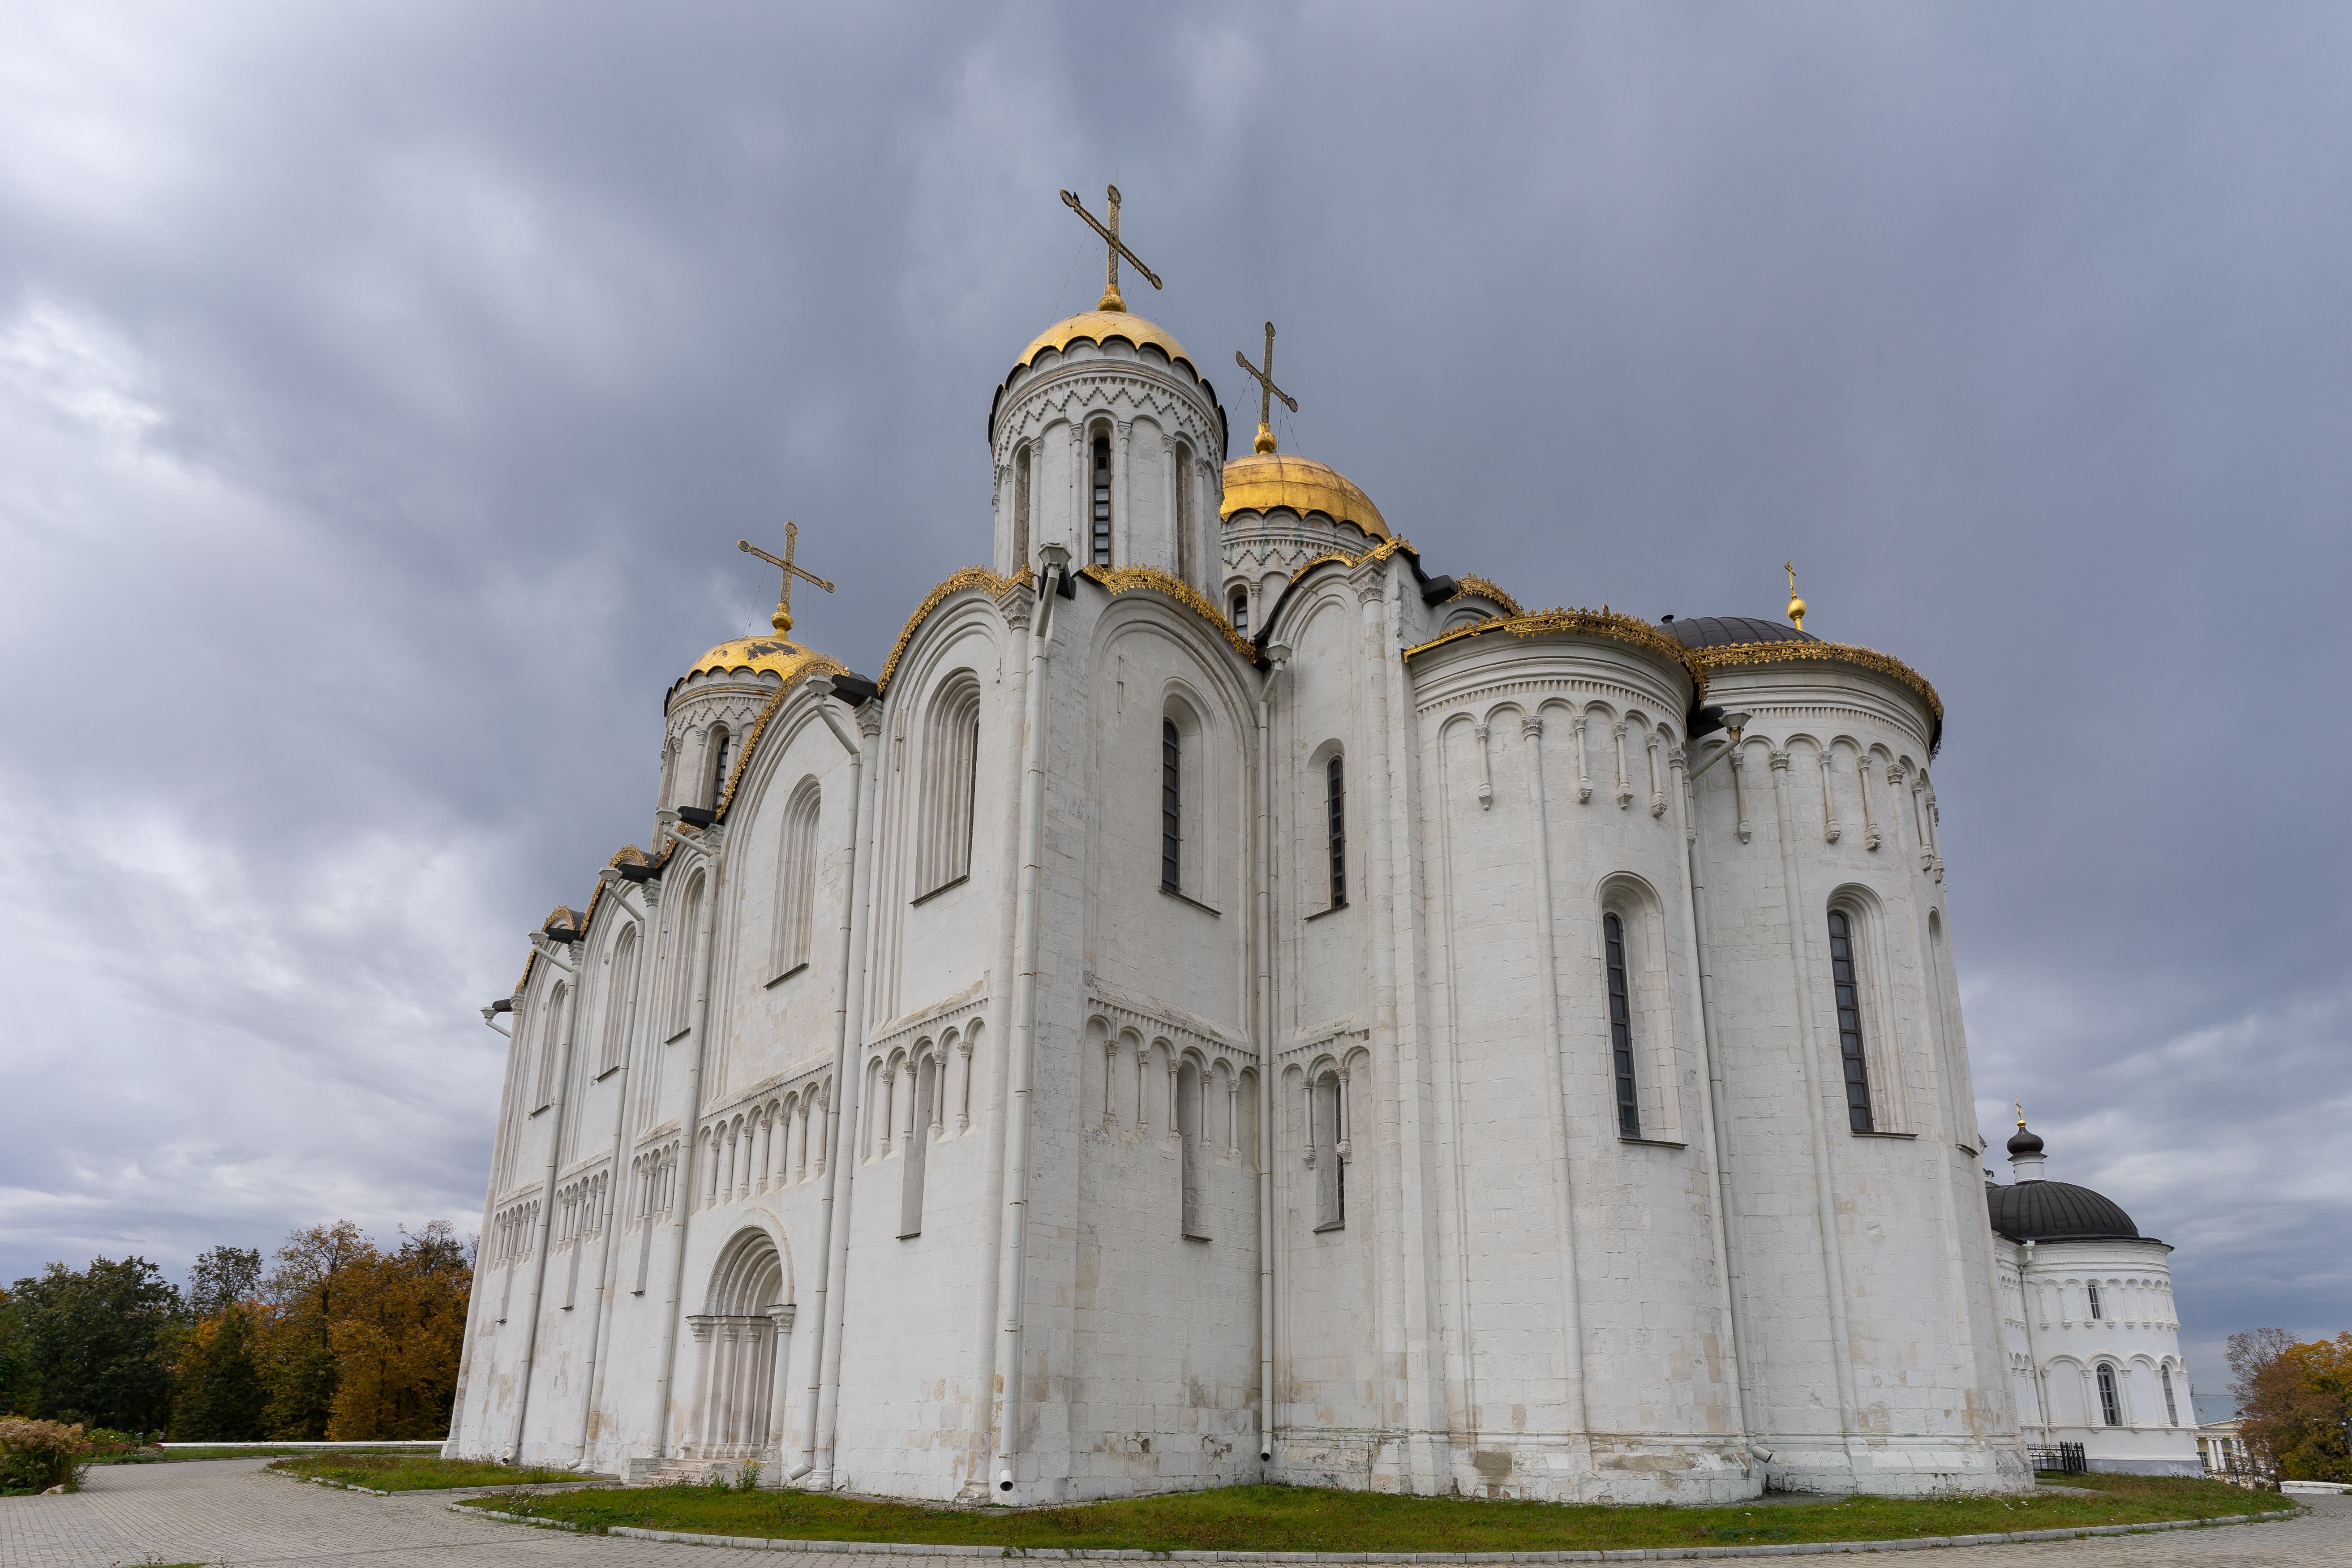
x,y
1797,605
1267,392
1111,300
782,620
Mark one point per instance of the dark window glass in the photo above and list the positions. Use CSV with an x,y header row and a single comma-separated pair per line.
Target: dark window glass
x,y
2171,1410
2109,1405
1102,500
1020,508
1849,1013
1335,788
1620,1027
718,769
1241,612
2095,1301
1171,819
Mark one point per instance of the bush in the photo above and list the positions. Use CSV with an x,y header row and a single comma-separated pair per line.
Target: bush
x,y
37,1455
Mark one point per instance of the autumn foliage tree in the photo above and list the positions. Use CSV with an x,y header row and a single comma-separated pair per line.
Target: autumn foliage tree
x,y
2297,1402
396,1335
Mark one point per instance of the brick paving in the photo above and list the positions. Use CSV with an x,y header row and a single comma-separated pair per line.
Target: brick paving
x,y
223,1512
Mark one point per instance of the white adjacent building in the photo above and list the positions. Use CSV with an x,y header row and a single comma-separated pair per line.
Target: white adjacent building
x,y
1229,1001
2094,1338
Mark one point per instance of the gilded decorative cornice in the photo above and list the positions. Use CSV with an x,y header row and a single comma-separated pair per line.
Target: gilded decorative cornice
x,y
817,663
1602,623
1127,579
1480,588
1735,655
970,577
626,855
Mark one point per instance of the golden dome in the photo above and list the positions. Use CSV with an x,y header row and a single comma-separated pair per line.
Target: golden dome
x,y
1095,326
1265,480
788,660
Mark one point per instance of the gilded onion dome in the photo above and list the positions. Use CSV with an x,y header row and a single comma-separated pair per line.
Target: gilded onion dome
x,y
1265,481
1100,326
765,655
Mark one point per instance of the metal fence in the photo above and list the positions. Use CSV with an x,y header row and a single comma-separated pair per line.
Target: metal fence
x,y
2067,1459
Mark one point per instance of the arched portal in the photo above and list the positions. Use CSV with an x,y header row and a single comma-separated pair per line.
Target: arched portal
x,y
745,1335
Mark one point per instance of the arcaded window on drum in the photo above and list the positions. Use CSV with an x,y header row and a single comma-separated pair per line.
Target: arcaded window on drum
x,y
1241,611
2110,1406
1021,465
715,786
1172,807
950,759
1845,978
1335,817
1184,511
2171,1409
2093,1292
1621,1026
1102,500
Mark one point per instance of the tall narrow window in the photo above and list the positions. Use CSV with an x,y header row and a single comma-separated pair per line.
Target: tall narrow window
x,y
951,749
1172,808
2109,1405
1849,1014
1241,611
1327,1105
1335,806
2094,1288
1184,512
1621,1026
1102,500
796,862
720,741
2171,1410
1021,508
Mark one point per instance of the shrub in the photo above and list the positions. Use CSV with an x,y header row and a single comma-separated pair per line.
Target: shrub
x,y
37,1455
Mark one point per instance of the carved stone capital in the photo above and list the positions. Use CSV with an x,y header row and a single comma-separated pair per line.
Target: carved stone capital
x,y
1781,761
1531,728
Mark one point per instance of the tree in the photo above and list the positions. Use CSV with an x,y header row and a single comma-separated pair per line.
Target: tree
x,y
218,1395
305,1293
98,1342
2297,1402
397,1336
220,1279
18,1392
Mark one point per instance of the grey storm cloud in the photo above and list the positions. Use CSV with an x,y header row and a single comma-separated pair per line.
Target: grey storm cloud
x,y
383,390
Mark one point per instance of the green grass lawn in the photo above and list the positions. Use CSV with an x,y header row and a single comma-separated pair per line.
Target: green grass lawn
x,y
171,1456
413,1472
1304,1519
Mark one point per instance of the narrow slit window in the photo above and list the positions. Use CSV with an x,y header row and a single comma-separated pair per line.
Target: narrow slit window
x,y
1620,1027
1849,1015
1020,508
1334,803
2109,1405
720,743
1241,611
2171,1409
1184,512
1172,807
1102,500
2093,1289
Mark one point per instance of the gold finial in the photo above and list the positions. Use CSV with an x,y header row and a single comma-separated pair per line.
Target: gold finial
x,y
1266,392
2021,1115
782,620
1796,606
1111,300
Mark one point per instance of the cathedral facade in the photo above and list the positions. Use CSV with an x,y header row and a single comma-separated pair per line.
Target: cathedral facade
x,y
1228,1001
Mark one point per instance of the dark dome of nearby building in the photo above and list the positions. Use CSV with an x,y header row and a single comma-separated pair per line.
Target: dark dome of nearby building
x,y
2024,1143
2057,1211
1720,631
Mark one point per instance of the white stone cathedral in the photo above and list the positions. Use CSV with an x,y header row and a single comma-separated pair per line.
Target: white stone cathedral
x,y
1229,1002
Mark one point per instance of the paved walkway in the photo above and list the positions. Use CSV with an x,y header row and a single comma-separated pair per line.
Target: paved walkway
x,y
221,1511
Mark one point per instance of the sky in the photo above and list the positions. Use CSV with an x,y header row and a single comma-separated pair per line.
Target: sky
x,y
382,389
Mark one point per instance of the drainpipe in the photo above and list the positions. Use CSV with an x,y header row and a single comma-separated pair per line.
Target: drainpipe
x,y
709,845
1277,655
613,883
823,685
548,948
1009,1290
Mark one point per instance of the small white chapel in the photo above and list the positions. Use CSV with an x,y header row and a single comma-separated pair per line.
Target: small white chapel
x,y
1237,996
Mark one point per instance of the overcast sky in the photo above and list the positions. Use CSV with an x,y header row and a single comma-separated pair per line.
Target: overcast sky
x,y
383,390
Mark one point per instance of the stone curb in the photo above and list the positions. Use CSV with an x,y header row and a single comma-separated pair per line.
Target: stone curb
x,y
431,1491
1628,1554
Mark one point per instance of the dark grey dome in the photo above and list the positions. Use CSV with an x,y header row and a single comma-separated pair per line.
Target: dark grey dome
x,y
1718,631
2057,1211
2024,1143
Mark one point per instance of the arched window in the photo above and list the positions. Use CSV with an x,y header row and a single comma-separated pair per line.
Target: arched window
x,y
1184,511
1334,807
951,755
2094,1288
2109,1405
1849,1015
796,861
721,743
1621,1026
1326,1111
1102,500
1021,507
620,1003
681,967
1241,611
1172,807
2171,1410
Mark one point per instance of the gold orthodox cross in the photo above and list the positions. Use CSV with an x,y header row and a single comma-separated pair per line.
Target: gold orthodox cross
x,y
1266,392
1111,300
1796,606
782,620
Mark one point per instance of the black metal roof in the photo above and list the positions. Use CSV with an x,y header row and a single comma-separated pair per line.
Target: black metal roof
x,y
2057,1211
1717,631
